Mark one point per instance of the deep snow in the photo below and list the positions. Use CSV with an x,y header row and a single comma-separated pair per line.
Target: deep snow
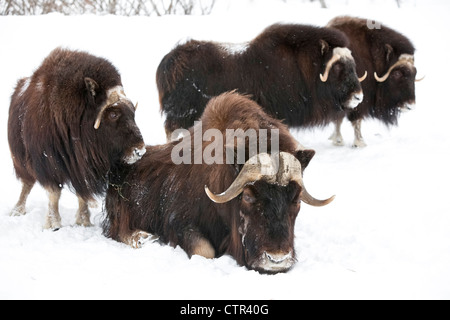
x,y
386,235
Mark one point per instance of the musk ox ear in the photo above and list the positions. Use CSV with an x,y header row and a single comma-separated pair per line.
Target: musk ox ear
x,y
324,47
91,86
305,156
389,51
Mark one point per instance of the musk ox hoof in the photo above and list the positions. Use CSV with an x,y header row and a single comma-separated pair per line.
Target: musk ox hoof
x,y
52,222
359,144
139,238
338,142
18,211
337,139
84,222
82,219
52,225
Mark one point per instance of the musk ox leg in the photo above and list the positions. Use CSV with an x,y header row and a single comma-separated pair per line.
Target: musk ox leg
x,y
83,214
203,247
20,208
53,219
336,137
168,135
359,141
194,243
138,238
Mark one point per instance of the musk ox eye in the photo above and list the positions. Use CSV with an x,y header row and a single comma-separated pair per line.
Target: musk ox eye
x,y
337,67
113,115
248,197
397,74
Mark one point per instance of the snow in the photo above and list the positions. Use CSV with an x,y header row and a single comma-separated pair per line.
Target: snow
x,y
385,236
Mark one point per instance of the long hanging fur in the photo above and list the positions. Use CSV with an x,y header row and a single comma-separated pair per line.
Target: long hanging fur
x,y
51,124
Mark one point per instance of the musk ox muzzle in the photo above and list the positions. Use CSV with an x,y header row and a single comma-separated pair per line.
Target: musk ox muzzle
x,y
268,213
135,155
274,262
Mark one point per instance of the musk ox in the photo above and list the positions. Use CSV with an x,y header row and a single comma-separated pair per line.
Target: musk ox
x,y
388,56
70,123
301,74
245,210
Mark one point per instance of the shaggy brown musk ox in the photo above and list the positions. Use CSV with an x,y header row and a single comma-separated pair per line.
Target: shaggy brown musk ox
x,y
70,123
186,205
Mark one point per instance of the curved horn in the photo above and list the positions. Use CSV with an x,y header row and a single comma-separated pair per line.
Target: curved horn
x,y
307,198
293,172
382,79
256,168
338,53
261,167
420,79
99,116
330,63
363,77
113,95
403,59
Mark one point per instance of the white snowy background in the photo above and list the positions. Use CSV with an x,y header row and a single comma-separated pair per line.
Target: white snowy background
x,y
386,235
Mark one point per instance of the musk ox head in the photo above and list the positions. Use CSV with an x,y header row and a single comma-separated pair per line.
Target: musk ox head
x,y
115,121
269,190
398,84
341,78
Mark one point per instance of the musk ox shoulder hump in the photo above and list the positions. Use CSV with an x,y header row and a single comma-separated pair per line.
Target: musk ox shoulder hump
x,y
375,36
67,69
297,35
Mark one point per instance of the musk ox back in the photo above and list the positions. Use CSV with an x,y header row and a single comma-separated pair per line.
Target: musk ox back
x,y
301,74
70,123
388,57
247,210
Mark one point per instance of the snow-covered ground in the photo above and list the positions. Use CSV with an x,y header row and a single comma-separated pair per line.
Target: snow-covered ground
x,y
386,235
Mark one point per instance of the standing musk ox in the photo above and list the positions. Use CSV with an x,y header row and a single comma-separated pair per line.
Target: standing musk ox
x,y
388,56
71,123
301,74
247,211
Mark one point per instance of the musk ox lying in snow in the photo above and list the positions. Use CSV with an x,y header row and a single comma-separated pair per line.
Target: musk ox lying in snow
x,y
301,74
246,210
388,56
71,123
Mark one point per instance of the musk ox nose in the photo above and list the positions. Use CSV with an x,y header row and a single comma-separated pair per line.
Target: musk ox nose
x,y
277,258
139,152
276,261
408,106
135,155
355,100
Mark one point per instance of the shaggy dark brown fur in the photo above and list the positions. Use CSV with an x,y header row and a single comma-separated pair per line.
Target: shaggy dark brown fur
x,y
51,126
158,197
280,69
